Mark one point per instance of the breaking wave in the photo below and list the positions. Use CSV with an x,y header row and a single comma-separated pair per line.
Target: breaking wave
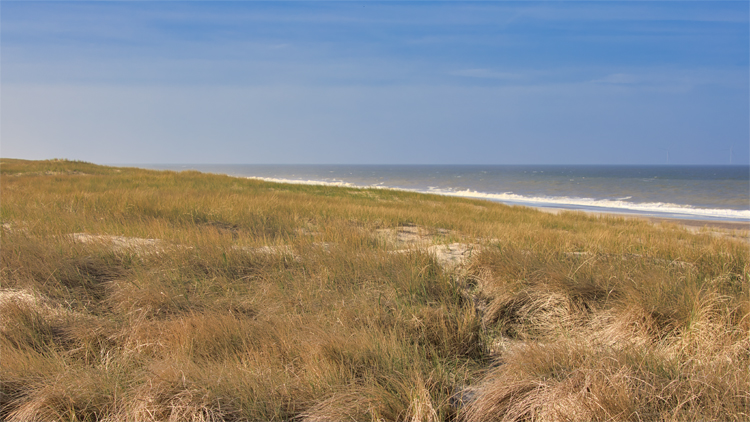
x,y
620,205
611,205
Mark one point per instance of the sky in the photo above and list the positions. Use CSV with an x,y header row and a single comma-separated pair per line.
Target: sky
x,y
361,82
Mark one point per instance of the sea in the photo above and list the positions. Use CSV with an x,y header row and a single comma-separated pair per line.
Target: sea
x,y
668,191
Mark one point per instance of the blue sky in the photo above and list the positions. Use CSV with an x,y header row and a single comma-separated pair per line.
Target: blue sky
x,y
349,82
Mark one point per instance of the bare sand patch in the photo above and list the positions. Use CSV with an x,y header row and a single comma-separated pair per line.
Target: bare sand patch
x,y
405,235
454,254
121,243
10,298
21,296
15,227
412,237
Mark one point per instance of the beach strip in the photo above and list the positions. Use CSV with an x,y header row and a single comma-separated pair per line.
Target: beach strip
x,y
735,228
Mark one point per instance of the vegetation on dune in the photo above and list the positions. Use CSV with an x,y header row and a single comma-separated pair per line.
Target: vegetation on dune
x,y
135,295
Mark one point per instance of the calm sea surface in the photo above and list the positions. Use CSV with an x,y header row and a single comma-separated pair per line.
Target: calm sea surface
x,y
706,192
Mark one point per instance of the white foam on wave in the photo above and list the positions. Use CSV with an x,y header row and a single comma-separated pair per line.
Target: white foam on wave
x,y
339,183
605,204
658,208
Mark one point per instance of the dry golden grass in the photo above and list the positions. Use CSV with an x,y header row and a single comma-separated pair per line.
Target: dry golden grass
x,y
134,295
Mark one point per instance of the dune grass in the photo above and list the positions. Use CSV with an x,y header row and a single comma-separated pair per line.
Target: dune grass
x,y
136,295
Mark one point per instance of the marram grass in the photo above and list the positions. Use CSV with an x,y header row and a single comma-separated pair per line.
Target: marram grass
x,y
135,295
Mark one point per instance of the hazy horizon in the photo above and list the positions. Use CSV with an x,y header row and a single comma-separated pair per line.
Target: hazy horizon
x,y
413,164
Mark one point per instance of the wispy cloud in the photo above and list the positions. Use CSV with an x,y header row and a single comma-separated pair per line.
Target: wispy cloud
x,y
487,74
675,79
618,79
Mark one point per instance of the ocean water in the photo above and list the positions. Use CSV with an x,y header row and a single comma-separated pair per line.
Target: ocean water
x,y
705,192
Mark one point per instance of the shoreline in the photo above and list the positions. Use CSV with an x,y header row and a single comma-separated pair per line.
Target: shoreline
x,y
697,224
731,219
736,228
692,220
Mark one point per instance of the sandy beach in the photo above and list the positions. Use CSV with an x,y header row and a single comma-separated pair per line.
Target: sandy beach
x,y
734,228
693,224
